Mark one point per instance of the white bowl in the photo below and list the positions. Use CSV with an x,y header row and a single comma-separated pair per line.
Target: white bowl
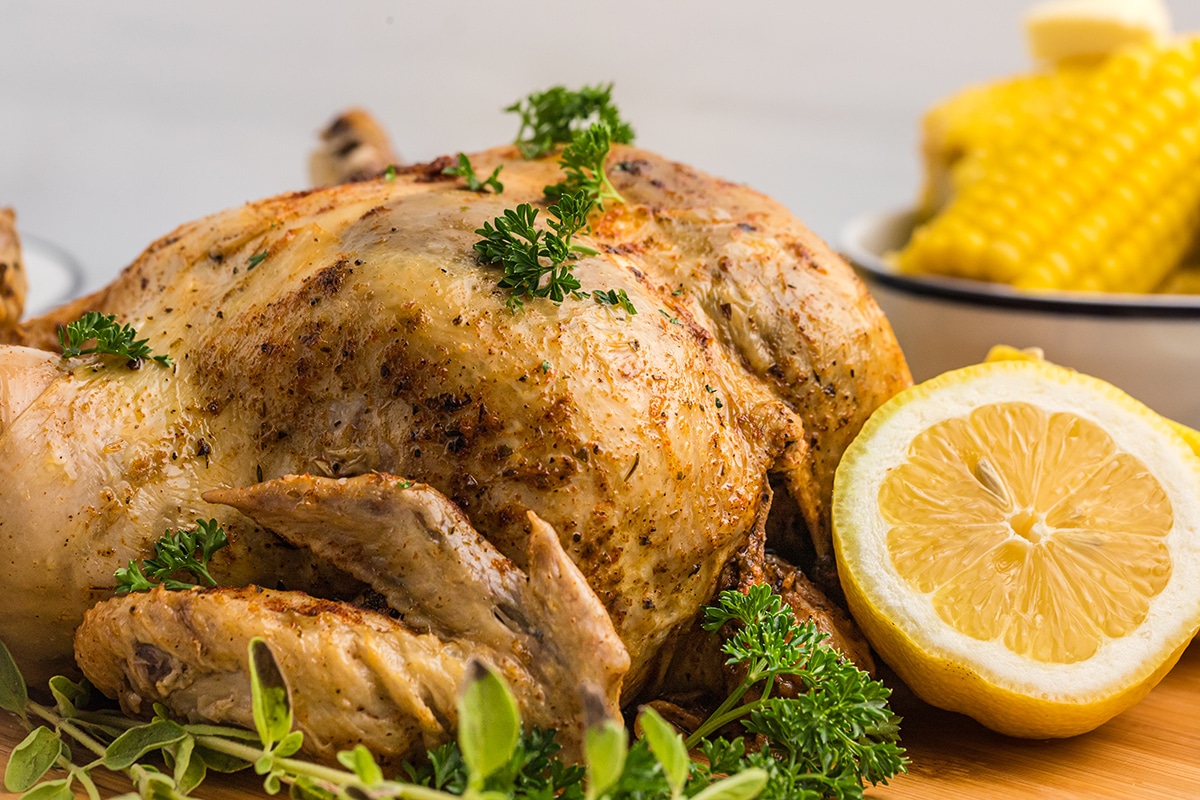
x,y
1148,345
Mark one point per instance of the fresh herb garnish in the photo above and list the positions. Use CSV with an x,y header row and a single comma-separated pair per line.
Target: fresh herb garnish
x,y
537,263
670,319
716,400
822,744
466,171
389,174
614,297
111,339
187,551
553,117
583,161
255,260
838,731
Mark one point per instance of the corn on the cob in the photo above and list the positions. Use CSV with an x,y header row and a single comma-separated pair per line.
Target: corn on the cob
x,y
963,134
1101,195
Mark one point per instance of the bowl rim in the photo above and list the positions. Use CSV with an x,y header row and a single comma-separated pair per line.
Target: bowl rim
x,y
861,237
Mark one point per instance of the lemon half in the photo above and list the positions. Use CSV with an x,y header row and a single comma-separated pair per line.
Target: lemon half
x,y
1021,543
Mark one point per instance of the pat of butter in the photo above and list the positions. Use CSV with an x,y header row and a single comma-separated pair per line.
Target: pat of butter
x,y
1059,30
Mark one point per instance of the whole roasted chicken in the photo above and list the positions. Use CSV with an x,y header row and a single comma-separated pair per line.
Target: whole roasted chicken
x,y
412,473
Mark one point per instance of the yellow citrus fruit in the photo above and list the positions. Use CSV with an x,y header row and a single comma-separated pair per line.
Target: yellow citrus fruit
x,y
1021,543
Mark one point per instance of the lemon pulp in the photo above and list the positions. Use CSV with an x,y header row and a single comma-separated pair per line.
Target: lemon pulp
x,y
1030,528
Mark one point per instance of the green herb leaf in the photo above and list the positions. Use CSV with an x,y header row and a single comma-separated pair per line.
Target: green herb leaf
x,y
184,552
255,260
466,171
50,790
488,722
553,116
361,763
744,785
268,695
668,748
605,749
614,297
290,744
272,784
13,693
218,761
389,174
70,696
31,759
110,338
134,743
189,767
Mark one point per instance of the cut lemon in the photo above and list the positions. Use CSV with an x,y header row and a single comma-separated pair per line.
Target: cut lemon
x,y
1021,543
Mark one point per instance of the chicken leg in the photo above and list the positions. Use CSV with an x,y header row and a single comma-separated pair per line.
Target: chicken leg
x,y
361,676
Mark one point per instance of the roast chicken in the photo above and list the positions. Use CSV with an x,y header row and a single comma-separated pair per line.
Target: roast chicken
x,y
412,473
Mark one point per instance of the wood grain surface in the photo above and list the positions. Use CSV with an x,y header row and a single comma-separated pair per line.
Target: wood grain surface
x,y
1151,752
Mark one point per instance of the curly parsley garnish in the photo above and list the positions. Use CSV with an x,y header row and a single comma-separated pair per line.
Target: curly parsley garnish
x,y
111,339
583,161
466,171
537,263
553,117
187,552
837,733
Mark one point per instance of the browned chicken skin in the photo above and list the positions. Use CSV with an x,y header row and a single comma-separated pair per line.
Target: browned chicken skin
x,y
13,279
351,330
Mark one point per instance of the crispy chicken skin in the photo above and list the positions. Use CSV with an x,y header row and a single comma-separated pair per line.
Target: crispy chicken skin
x,y
351,330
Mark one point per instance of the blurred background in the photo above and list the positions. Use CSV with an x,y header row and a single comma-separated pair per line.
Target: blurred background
x,y
124,119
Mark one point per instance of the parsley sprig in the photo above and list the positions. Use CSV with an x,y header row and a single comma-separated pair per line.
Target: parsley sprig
x,y
554,116
466,171
616,298
835,734
537,262
184,552
110,339
583,162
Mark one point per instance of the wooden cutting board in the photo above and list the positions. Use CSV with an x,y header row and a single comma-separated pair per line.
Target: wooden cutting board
x,y
1151,752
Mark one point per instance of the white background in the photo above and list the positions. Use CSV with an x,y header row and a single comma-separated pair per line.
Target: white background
x,y
121,120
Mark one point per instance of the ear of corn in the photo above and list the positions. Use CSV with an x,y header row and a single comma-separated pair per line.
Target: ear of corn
x,y
1093,183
